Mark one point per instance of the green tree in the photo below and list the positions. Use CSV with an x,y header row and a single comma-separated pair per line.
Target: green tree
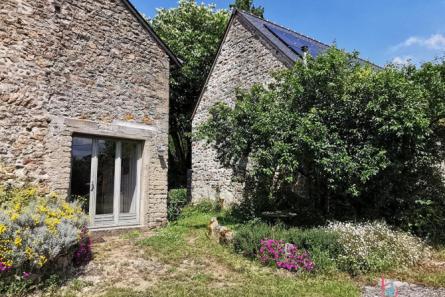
x,y
247,5
193,32
365,142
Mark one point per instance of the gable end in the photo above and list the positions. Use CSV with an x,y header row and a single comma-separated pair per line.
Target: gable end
x,y
150,30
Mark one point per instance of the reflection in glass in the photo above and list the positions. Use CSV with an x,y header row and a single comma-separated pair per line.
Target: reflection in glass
x,y
128,177
106,150
81,168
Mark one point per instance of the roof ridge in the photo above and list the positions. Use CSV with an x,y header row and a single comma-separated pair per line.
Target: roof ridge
x,y
285,28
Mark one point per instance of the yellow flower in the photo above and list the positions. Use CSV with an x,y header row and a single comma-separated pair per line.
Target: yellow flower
x,y
52,223
14,216
18,241
29,253
42,208
18,207
2,228
42,261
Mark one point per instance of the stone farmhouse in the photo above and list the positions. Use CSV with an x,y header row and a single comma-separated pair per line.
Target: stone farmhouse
x,y
252,49
84,93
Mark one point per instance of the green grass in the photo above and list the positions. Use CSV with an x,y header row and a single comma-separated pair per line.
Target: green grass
x,y
201,267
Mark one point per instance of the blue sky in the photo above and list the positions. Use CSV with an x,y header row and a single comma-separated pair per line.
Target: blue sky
x,y
381,30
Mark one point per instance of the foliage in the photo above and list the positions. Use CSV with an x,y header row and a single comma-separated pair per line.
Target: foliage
x,y
353,248
83,254
193,32
338,137
284,255
322,245
376,247
35,231
201,267
247,5
177,200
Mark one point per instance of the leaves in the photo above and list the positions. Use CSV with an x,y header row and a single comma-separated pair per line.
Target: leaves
x,y
350,129
193,32
247,5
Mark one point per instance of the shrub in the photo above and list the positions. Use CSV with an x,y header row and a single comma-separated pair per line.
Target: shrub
x,y
353,248
177,200
36,230
347,139
83,254
284,255
376,247
321,244
248,237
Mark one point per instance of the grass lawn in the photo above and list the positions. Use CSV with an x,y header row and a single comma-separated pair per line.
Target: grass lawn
x,y
180,260
201,267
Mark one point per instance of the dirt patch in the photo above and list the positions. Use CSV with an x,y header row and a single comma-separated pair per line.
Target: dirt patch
x,y
118,263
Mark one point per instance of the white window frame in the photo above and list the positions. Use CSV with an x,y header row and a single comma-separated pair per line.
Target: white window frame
x,y
116,219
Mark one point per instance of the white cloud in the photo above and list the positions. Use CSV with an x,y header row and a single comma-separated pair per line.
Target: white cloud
x,y
434,42
404,60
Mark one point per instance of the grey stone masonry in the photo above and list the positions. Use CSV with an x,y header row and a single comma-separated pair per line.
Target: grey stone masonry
x,y
244,60
77,66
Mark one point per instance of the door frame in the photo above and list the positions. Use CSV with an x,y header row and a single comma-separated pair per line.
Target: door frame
x,y
116,219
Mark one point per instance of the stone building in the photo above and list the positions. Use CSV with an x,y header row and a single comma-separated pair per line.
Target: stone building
x,y
252,49
84,92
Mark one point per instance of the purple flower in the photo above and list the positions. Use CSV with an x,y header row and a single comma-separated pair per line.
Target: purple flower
x,y
83,254
4,267
284,255
26,275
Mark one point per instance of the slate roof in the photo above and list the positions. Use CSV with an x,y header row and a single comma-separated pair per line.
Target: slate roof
x,y
287,41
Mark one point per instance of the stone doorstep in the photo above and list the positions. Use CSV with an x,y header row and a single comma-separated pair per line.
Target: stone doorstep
x,y
99,235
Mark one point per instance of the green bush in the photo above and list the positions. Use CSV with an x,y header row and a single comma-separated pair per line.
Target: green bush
x,y
353,248
338,138
36,230
322,244
177,200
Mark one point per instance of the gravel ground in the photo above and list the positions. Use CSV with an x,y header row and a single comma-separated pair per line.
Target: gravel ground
x,y
405,290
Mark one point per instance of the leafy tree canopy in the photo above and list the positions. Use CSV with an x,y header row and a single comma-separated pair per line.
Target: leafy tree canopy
x,y
193,32
357,136
247,5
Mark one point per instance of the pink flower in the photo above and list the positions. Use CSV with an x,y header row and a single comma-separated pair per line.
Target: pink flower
x,y
284,255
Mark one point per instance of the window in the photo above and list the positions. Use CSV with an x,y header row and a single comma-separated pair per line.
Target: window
x,y
105,178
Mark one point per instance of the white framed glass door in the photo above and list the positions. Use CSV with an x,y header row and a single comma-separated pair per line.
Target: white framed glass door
x,y
106,178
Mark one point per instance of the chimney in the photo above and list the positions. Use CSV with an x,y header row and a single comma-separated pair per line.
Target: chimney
x,y
305,50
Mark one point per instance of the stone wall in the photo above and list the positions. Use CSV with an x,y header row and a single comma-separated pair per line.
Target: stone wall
x,y
78,59
244,60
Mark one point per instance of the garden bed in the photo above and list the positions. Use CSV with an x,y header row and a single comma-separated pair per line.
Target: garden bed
x,y
181,260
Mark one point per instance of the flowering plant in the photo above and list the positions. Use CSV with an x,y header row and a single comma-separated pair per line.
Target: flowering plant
x,y
374,246
36,229
285,255
83,254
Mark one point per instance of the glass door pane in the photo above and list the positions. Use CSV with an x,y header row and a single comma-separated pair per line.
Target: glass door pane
x,y
106,179
106,152
129,173
81,155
